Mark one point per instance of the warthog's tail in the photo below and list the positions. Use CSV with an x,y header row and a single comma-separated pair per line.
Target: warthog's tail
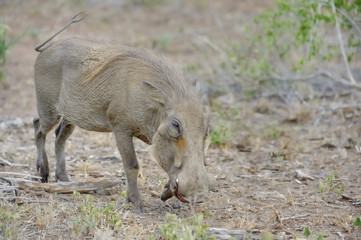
x,y
75,19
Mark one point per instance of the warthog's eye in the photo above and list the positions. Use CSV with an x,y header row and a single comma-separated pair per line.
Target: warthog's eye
x,y
175,124
174,130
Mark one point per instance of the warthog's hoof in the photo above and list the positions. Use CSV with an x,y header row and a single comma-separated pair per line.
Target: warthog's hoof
x,y
62,178
43,174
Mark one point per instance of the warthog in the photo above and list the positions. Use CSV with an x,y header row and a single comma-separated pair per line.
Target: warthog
x,y
131,93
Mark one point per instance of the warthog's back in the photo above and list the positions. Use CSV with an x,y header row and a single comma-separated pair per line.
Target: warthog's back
x,y
83,77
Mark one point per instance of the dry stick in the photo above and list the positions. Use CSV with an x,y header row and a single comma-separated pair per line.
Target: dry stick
x,y
353,23
68,187
320,72
335,108
296,217
29,200
11,184
7,163
340,42
19,174
332,108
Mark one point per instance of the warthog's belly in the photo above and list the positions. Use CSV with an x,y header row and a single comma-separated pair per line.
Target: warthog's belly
x,y
89,115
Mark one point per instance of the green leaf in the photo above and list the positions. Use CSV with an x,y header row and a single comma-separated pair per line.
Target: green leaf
x,y
357,222
284,6
319,236
306,231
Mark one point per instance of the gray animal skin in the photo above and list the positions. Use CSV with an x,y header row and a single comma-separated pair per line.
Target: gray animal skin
x,y
132,93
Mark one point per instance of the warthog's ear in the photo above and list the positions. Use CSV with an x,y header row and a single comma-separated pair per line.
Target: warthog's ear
x,y
200,89
155,94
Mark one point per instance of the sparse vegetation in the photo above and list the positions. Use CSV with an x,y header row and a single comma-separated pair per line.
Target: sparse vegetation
x,y
312,236
221,134
294,42
88,216
272,132
5,45
163,42
329,184
357,222
189,228
9,222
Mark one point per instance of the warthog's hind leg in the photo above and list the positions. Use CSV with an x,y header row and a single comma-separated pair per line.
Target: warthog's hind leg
x,y
40,138
62,133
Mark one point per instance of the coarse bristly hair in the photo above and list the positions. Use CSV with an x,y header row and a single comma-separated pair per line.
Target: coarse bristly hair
x,y
141,64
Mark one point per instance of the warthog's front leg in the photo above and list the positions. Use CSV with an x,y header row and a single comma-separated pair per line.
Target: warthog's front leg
x,y
62,132
131,167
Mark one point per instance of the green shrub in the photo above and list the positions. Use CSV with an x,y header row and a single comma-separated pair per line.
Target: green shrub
x,y
5,45
329,184
294,37
9,222
221,134
89,217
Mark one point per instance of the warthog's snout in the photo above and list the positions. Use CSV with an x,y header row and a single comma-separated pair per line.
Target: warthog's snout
x,y
193,188
190,197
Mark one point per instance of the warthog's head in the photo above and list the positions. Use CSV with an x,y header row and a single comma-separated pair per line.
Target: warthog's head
x,y
179,146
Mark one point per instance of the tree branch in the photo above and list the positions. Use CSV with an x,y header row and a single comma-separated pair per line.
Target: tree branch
x,y
353,23
340,42
311,76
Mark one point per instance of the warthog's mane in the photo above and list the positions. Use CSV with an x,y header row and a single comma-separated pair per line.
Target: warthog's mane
x,y
143,65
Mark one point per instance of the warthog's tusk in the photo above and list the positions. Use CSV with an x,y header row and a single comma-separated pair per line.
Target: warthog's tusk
x,y
176,194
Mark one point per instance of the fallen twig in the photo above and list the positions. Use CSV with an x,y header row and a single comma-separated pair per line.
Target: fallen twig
x,y
296,217
223,233
320,72
68,187
19,174
7,163
302,176
11,185
352,200
340,235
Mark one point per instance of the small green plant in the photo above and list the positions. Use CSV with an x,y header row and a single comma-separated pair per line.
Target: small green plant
x,y
329,185
273,132
163,41
124,195
193,228
357,222
89,217
221,134
9,222
267,236
308,234
306,231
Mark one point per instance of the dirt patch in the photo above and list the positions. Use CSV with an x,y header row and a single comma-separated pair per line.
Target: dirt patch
x,y
268,175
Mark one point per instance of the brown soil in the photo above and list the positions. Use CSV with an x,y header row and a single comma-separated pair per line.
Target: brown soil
x,y
268,175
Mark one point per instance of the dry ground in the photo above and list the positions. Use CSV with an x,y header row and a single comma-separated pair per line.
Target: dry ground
x,y
268,174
